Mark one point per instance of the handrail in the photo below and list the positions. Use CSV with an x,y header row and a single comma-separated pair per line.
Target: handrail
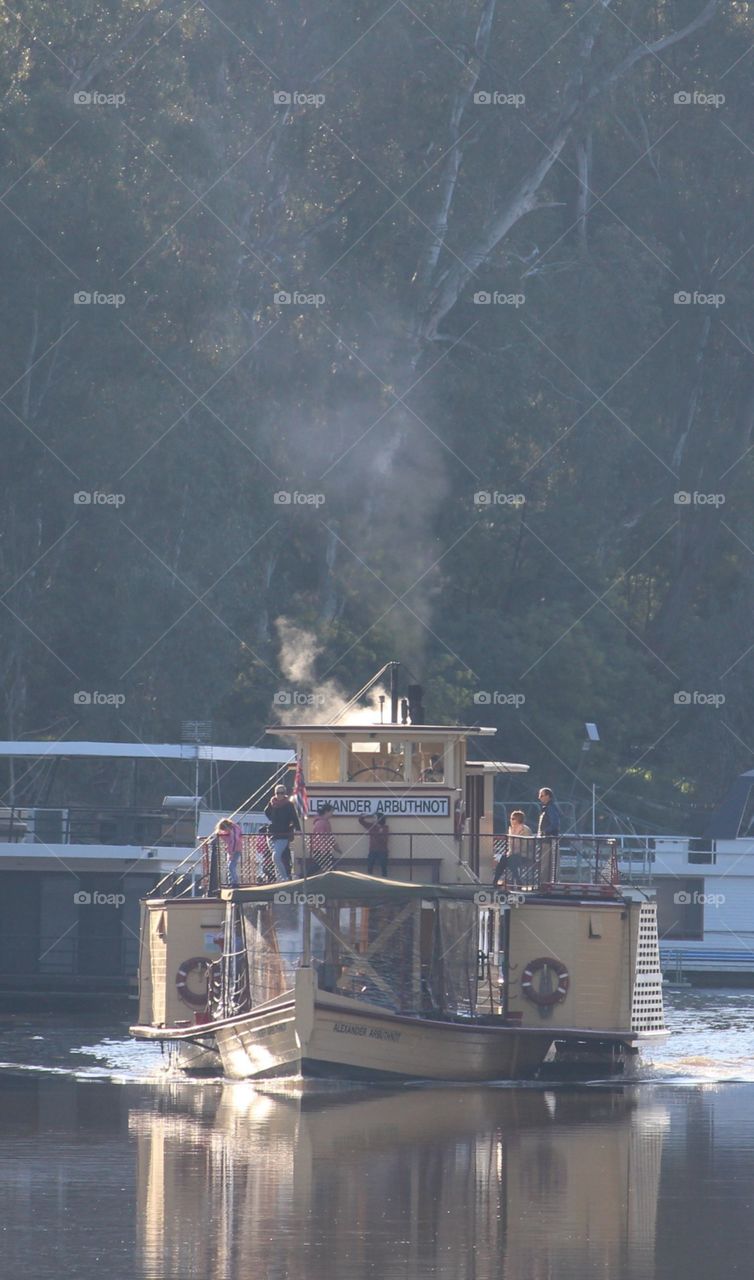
x,y
198,850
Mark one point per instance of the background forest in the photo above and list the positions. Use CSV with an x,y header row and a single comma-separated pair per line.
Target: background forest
x,y
472,284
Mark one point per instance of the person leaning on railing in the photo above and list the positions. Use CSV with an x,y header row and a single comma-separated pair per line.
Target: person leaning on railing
x,y
514,857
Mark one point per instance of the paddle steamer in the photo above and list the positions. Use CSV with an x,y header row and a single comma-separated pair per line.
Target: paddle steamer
x,y
427,974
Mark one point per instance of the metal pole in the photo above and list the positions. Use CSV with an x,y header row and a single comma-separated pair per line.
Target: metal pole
x,y
594,809
394,692
306,959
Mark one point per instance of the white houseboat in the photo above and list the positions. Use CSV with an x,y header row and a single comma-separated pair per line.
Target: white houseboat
x,y
72,874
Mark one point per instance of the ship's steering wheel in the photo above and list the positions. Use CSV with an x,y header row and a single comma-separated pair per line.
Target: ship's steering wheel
x,y
374,769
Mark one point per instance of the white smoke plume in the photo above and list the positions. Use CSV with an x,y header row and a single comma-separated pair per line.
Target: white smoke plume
x,y
316,701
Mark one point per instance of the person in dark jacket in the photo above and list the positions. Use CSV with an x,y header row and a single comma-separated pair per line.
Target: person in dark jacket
x,y
548,830
379,838
549,815
283,824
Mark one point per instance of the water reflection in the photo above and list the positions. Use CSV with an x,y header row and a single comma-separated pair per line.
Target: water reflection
x,y
173,1180
462,1183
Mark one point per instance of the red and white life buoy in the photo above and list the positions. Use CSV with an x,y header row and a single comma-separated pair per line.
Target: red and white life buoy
x,y
195,999
536,994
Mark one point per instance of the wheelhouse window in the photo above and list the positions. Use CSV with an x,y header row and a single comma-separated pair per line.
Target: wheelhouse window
x,y
377,760
428,762
324,760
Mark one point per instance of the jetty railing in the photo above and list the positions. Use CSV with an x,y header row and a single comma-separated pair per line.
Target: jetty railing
x,y
25,956
100,824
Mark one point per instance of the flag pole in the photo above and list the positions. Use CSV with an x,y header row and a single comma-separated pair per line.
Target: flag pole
x,y
300,796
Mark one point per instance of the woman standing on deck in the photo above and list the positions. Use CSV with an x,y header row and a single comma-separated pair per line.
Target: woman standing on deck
x,y
322,843
230,838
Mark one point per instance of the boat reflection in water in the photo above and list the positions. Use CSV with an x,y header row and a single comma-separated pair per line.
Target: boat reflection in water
x,y
441,1182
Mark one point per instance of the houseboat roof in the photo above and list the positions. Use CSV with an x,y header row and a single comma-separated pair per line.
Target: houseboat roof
x,y
495,766
147,751
393,730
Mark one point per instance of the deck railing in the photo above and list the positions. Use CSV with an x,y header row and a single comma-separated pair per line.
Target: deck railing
x,y
526,862
414,856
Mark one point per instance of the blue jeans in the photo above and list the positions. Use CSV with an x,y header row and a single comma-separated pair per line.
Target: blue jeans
x,y
234,862
280,846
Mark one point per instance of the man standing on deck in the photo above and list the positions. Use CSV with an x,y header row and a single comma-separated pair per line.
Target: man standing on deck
x,y
283,824
548,831
379,837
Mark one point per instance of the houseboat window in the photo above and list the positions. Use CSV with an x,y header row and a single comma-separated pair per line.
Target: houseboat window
x,y
680,908
428,762
747,817
377,761
324,760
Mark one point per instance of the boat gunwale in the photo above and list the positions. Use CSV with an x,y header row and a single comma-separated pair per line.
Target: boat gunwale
x,y
256,1015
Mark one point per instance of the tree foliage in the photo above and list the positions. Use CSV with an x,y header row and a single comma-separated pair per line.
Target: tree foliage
x,y
388,170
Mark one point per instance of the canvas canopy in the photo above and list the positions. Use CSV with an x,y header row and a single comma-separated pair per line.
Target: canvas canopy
x,y
351,886
410,949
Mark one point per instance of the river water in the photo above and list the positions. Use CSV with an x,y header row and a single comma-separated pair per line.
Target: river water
x,y
111,1167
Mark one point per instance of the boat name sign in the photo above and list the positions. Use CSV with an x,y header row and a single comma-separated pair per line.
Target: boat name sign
x,y
391,806
373,1033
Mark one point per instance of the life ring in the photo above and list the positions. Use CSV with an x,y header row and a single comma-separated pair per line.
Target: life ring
x,y
535,994
195,999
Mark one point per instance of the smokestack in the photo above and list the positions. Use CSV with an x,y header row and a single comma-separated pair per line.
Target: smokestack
x,y
394,692
415,703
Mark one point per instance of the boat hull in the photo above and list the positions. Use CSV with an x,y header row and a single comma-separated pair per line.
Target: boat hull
x,y
195,1058
315,1034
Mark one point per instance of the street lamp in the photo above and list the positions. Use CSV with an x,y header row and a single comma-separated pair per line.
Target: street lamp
x,y
592,735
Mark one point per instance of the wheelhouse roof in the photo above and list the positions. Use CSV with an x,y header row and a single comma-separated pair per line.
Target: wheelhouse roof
x,y
387,730
352,886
